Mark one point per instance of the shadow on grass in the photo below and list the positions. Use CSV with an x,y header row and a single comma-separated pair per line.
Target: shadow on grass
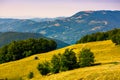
x,y
115,63
95,64
112,63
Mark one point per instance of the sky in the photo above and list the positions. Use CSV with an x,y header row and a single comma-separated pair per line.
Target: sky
x,y
52,8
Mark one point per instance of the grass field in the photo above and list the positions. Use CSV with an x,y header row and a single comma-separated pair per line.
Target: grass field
x,y
105,53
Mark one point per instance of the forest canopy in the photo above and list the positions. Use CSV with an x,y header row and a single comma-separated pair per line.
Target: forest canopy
x,y
24,48
113,35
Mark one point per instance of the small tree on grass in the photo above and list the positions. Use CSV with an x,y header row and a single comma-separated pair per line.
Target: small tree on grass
x,y
56,63
64,62
44,68
30,75
86,58
68,60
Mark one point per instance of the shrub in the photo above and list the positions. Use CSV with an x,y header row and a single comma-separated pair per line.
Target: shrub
x,y
86,58
116,39
44,68
64,62
30,75
56,63
68,60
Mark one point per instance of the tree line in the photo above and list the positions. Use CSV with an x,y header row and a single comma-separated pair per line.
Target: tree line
x,y
113,35
24,48
66,61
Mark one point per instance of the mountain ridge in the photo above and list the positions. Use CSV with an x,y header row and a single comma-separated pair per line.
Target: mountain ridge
x,y
68,29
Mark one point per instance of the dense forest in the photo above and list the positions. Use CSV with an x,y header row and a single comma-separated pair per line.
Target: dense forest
x,y
113,35
24,48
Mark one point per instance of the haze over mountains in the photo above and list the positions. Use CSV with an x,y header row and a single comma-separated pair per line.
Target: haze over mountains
x,y
68,29
46,19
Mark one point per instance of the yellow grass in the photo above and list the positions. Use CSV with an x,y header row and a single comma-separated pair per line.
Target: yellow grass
x,y
104,51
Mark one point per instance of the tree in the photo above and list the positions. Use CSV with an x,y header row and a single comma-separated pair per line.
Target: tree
x,y
113,35
30,75
44,68
3,52
86,58
24,48
68,60
116,39
27,53
56,63
64,62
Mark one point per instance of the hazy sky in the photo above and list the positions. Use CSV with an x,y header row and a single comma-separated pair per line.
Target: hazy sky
x,y
52,8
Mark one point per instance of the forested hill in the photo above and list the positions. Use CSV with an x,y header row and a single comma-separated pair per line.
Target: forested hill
x,y
20,49
68,29
8,37
113,35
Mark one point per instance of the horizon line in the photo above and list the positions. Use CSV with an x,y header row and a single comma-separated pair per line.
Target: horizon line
x,y
30,17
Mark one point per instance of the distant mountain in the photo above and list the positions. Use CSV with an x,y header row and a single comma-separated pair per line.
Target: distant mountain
x,y
68,29
46,19
7,37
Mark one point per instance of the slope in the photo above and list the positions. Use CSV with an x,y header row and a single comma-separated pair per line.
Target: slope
x,y
105,52
7,37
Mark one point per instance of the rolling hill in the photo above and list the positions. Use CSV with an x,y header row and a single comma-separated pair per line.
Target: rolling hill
x,y
106,53
66,29
7,37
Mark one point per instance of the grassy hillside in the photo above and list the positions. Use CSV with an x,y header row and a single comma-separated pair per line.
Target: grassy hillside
x,y
105,52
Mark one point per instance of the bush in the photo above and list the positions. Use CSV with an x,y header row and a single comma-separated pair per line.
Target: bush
x,y
56,63
30,75
68,60
116,39
86,58
64,62
44,68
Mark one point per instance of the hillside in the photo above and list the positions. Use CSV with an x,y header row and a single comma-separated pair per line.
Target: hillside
x,y
100,36
80,24
7,37
105,52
